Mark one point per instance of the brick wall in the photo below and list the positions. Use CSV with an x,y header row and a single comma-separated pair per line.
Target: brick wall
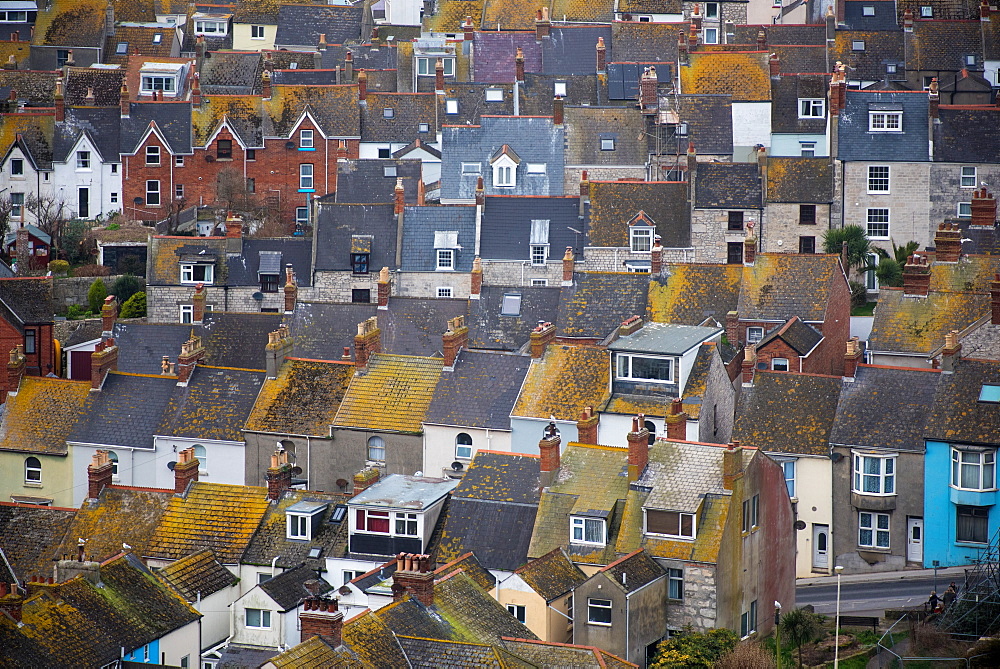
x,y
35,363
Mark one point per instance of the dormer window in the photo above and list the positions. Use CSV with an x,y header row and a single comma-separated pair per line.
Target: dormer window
x,y
885,121
505,163
673,524
445,246
195,273
427,66
161,78
302,519
210,27
588,531
539,241
632,367
640,239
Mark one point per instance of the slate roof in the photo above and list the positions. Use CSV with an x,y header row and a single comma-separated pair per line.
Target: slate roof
x,y
70,23
967,134
781,34
572,49
197,575
490,329
495,51
270,540
140,39
339,222
581,90
480,392
100,124
598,302
633,571
43,413
237,340
919,324
472,613
26,301
884,17
651,6
316,653
392,395
788,413
782,285
728,186
303,399
214,405
643,42
552,575
957,414
301,25
419,236
534,139
237,656
321,331
256,11
881,48
614,203
32,133
332,107
370,637
211,515
106,85
230,73
36,88
29,532
289,588
126,412
787,90
802,338
799,180
472,102
243,270
448,654
173,121
542,653
243,114
710,122
402,123
507,221
690,293
567,379
943,45
373,181
972,273
696,387
587,126
742,74
951,10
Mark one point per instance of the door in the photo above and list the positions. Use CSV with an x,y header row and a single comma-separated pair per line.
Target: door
x,y
84,208
915,540
80,365
821,546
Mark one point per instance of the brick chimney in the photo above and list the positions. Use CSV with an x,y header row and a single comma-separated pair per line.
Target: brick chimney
x,y
638,448
265,85
399,199
195,90
124,100
363,87
322,42
984,209
365,479
468,29
414,575
602,55
950,352
557,110
540,338
749,362
693,36
568,265
948,243
11,600
109,313
733,327
630,325
676,421
908,21
278,475
774,65
15,370
198,303
480,192
60,101
647,89
916,276
519,65
984,10
104,359
761,40
656,258
439,76
732,464
548,450
384,288
279,346
682,46
234,233
349,67
852,358
291,290
586,427
995,299
192,352
99,474
367,341
321,617
543,25
455,338
476,279
933,99
185,470
749,246
584,192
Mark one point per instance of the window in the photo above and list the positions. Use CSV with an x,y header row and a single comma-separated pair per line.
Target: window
x,y
197,273
779,364
388,112
17,167
406,524
973,470
504,175
807,244
350,575
857,45
451,106
121,48
373,521
470,168
259,619
754,334
361,295
427,66
463,446
873,530
807,214
965,210
539,254
153,193
494,95
186,313
607,144
302,217
445,259
32,470
114,198
114,168
29,340
599,611
926,12
587,531
711,10
153,82
423,127
210,27
989,393
305,139
670,523
256,32
748,621
17,205
517,611
874,475
878,223
972,524
539,282
199,450
14,17
445,291
376,449
640,239
251,185
675,583
153,155
885,121
178,161
868,10
298,527
807,149
389,171
224,149
306,176
511,305
83,160
359,263
536,168
384,153
968,177
268,283
751,510
251,154
62,57
878,178
559,89
735,220
890,68
970,60
789,468
711,35
871,281
642,368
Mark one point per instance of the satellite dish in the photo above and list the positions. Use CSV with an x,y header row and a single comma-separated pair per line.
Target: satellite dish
x,y
457,466
289,145
171,465
258,296
800,525
836,457
296,471
341,483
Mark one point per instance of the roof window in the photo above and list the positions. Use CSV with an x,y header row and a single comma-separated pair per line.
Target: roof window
x,y
388,112
157,38
494,95
511,305
868,10
121,49
990,393
857,45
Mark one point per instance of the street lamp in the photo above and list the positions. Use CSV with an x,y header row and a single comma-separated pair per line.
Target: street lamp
x,y
836,624
777,632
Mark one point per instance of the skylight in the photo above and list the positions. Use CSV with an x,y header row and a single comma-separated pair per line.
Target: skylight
x,y
122,48
511,304
990,393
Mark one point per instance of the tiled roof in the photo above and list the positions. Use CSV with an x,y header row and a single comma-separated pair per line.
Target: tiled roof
x,y
490,329
799,180
581,90
126,412
214,405
21,50
782,285
139,39
230,73
542,653
71,23
338,223
967,135
239,656
781,34
472,102
43,413
728,186
237,340
633,571
649,6
573,49
472,568
971,273
710,121
321,331
788,413
165,254
644,42
35,87
614,203
370,637
27,300
243,114
101,124
982,343
173,121
552,575
743,75
787,90
27,534
316,653
598,302
211,515
584,10
943,45
420,236
301,25
396,117
697,381
691,293
32,132
480,392
797,60
587,126
802,338
372,182
472,614
448,654
393,394
245,269
881,48
290,587
197,575
505,231
303,399
883,15
567,379
919,324
271,541
333,107
105,84
256,11
958,415
950,10
705,548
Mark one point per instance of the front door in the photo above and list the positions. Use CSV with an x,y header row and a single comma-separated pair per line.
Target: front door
x,y
821,546
84,203
915,540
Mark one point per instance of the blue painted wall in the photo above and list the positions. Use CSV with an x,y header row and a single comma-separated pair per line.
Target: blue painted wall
x,y
139,654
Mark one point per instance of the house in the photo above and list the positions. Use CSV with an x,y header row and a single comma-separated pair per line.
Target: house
x,y
728,206
254,26
302,27
949,51
86,164
797,203
150,130
961,166
438,249
67,33
608,143
799,116
30,249
540,594
27,156
208,587
870,56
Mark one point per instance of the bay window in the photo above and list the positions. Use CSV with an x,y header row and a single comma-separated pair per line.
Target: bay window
x,y
874,475
973,470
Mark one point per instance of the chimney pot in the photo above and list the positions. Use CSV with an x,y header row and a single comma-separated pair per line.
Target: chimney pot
x,y
638,448
549,451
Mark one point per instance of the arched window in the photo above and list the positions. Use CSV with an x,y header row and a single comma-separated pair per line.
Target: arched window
x,y
652,431
199,452
114,463
463,446
376,449
32,470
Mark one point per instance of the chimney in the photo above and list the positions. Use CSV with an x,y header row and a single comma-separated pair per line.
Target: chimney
x,y
519,65
11,601
557,111
916,276
104,359
540,338
995,299
278,475
124,99
950,352
749,246
400,197
200,47
455,338
568,264
60,101
234,234
367,341
656,258
365,479
166,366
676,421
548,450
733,327
693,37
322,42
384,288
291,290
647,89
948,243
15,370
984,10
908,21
602,55
480,192
198,303
586,427
732,464
99,474
321,617
415,576
265,85
439,76
852,358
933,99
584,192
349,67
90,100
638,448
774,65
196,90
749,362
192,352
984,209
692,162
761,40
682,46
468,28
362,87
843,258
476,285
630,325
279,346
185,470
542,23
109,313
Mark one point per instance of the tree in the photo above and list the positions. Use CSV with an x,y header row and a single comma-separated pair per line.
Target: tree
x,y
126,286
799,627
96,294
50,215
694,650
858,246
135,307
890,268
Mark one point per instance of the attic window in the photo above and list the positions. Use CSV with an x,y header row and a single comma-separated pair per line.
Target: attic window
x,y
122,48
424,127
970,59
451,106
388,112
868,10
885,121
890,68
990,393
210,27
926,12
157,38
389,171
857,45
536,168
470,168
607,144
587,531
511,305
494,95
560,89
670,523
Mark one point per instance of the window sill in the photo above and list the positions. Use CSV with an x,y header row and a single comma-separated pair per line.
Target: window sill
x,y
591,622
874,549
195,283
304,148
307,190
971,544
223,160
444,269
33,484
154,165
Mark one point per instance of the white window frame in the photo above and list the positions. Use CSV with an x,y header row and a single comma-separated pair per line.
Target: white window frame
x,y
807,149
640,238
675,582
581,523
559,89
153,156
445,291
777,363
409,523
17,204
178,161
624,363
788,468
868,10
969,177
472,168
307,181
885,121
186,314
601,605
812,108
985,461
882,477
17,167
463,451
857,45
32,474
302,215
681,515
263,619
711,35
711,10
451,106
878,179
14,16
165,83
306,139
539,283
926,12
751,513
964,210
748,621
375,443
494,95
219,28
517,611
258,32
872,522
539,254
607,143
870,219
510,300
377,513
83,161
754,334
188,278
536,168
444,260
153,198
427,66
298,526
504,175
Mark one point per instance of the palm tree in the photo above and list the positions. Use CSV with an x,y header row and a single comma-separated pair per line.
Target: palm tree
x,y
858,245
890,268
800,627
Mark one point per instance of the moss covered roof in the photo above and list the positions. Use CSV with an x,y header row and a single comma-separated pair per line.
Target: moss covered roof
x,y
564,381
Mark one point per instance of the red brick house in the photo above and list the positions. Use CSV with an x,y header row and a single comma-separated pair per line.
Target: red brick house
x,y
26,320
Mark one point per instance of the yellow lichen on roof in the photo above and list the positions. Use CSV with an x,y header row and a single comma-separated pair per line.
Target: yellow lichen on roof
x,y
165,267
122,515
12,125
205,118
567,379
583,10
303,399
688,288
20,50
393,394
630,405
333,106
744,75
451,14
63,19
510,14
971,273
40,417
919,324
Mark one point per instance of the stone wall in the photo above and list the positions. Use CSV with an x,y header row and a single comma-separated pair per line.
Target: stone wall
x,y
163,303
946,190
521,272
908,201
709,233
715,422
337,286
425,284
73,290
782,229
699,606
613,259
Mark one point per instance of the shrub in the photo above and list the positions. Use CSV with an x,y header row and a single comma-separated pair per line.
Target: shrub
x,y
859,294
92,270
126,286
694,649
135,307
58,266
746,656
75,312
96,294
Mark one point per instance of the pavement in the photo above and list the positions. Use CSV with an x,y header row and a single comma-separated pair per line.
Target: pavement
x,y
946,574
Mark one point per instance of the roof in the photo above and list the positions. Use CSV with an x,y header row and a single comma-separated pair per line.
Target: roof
x,y
26,301
563,382
709,120
126,412
489,328
542,653
799,180
664,338
690,293
788,413
41,415
919,324
303,399
214,404
271,541
71,23
644,42
857,143
586,127
787,90
197,575
883,16
781,34
728,186
398,491
27,534
696,387
100,124
509,221
614,203
374,181
881,48
392,394
338,224
396,117
243,114
633,571
147,40
264,256
334,108
958,414
781,285
448,654
943,45
290,587
31,133
552,575
173,121
316,653
422,236
495,51
802,338
572,49
301,25
742,74
967,135
210,515
598,302
237,340
480,392
230,73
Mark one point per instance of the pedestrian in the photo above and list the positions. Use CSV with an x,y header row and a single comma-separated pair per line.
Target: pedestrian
x,y
949,596
933,602
953,587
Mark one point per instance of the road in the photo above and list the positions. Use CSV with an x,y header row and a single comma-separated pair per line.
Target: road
x,y
869,598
